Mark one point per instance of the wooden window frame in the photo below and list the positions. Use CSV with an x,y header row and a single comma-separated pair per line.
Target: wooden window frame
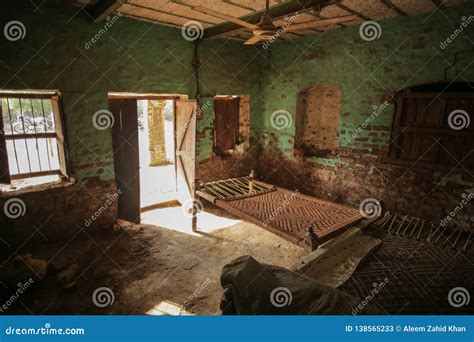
x,y
398,129
59,134
217,149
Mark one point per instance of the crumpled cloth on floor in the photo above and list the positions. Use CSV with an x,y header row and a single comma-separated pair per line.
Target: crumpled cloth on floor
x,y
253,288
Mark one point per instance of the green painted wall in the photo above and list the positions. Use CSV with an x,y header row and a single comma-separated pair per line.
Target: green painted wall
x,y
128,56
228,68
407,53
368,73
133,56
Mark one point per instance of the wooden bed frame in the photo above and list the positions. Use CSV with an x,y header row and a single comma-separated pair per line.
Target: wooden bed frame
x,y
301,219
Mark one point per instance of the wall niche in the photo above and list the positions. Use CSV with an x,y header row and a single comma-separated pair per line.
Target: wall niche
x,y
317,120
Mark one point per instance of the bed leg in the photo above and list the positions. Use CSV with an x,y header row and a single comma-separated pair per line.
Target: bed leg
x,y
194,209
311,239
251,177
194,220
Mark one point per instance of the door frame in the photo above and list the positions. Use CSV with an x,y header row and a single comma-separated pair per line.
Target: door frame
x,y
180,162
135,206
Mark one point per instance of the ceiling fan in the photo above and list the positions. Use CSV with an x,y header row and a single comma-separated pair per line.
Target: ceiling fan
x,y
266,30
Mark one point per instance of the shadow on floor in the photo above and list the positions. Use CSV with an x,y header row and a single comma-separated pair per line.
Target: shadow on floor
x,y
148,269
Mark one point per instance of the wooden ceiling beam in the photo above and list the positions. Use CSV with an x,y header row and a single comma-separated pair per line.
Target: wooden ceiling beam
x,y
393,7
240,6
103,8
352,11
151,20
167,13
276,12
315,13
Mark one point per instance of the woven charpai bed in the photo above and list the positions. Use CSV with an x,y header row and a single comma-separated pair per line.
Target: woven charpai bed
x,y
303,220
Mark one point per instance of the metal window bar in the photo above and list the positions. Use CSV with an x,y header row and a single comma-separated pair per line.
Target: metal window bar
x,y
24,132
27,135
36,137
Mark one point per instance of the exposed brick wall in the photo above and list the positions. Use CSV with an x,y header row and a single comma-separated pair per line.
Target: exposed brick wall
x,y
317,118
84,73
368,75
156,133
218,167
158,60
242,160
416,192
59,211
244,119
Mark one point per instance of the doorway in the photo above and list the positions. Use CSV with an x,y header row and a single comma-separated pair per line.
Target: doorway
x,y
154,141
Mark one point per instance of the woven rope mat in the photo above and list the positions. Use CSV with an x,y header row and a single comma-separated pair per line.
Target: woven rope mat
x,y
418,277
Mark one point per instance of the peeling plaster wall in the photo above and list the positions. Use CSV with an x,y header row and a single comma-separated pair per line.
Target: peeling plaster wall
x,y
368,73
57,52
228,68
130,56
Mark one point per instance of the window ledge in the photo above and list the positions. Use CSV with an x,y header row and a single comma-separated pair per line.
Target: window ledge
x,y
9,191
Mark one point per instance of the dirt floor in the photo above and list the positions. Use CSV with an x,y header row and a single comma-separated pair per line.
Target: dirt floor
x,y
148,269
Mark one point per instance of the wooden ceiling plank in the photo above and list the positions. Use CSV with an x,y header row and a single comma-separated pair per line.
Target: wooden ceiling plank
x,y
352,11
250,9
374,9
253,5
414,7
334,11
175,13
225,17
253,18
165,18
220,6
319,23
168,13
316,14
151,21
176,9
392,6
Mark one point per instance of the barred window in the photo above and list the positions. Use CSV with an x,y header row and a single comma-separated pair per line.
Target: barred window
x,y
32,144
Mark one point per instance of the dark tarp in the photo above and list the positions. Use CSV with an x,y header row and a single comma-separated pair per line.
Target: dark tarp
x,y
253,288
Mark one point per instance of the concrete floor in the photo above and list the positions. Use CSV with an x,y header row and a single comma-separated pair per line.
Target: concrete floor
x,y
151,269
157,184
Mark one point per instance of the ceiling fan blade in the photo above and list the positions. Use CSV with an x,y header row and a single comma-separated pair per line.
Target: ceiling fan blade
x,y
319,23
225,17
254,40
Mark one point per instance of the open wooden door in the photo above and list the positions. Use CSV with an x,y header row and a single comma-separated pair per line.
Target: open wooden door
x,y
126,157
185,129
